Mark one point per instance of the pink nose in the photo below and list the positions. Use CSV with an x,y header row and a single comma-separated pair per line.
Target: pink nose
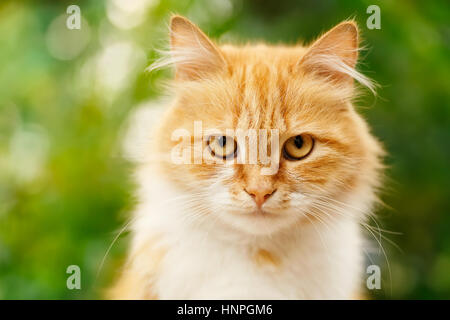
x,y
260,195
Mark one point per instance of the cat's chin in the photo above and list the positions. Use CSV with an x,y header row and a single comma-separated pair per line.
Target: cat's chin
x,y
259,222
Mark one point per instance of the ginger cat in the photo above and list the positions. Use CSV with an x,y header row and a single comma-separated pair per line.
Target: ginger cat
x,y
220,228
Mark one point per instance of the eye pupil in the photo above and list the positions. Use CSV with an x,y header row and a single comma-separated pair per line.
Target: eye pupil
x,y
298,141
222,147
298,147
222,141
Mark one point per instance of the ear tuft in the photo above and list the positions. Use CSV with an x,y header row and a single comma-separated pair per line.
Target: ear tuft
x,y
193,53
334,55
341,41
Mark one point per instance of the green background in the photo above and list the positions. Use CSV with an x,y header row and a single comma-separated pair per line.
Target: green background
x,y
65,95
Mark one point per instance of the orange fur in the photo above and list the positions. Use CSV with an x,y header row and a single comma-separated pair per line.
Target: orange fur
x,y
264,258
295,89
265,87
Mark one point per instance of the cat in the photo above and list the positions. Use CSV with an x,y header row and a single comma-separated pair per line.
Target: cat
x,y
228,230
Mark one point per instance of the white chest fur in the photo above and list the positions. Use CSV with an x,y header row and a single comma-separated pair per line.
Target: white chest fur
x,y
305,270
311,261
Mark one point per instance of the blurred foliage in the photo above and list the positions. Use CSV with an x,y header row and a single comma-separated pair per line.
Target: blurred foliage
x,y
65,94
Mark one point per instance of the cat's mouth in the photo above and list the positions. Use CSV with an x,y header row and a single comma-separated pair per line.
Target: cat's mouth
x,y
259,221
256,213
263,213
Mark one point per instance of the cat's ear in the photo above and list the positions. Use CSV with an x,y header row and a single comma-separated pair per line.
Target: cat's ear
x,y
194,54
335,53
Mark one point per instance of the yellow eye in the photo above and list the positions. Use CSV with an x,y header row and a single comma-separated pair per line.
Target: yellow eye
x,y
222,147
298,147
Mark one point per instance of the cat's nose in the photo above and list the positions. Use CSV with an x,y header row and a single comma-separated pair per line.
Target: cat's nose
x,y
260,195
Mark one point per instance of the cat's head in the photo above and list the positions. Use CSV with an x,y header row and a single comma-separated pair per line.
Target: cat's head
x,y
323,158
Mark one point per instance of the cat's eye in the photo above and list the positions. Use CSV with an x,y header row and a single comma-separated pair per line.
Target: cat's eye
x,y
222,147
298,147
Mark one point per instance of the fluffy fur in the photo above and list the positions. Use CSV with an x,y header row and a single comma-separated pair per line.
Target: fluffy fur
x,y
197,234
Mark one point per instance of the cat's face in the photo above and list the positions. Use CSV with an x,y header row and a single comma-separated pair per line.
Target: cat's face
x,y
320,152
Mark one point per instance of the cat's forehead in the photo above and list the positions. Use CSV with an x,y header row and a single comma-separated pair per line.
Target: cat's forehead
x,y
259,76
270,93
261,90
258,54
260,95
